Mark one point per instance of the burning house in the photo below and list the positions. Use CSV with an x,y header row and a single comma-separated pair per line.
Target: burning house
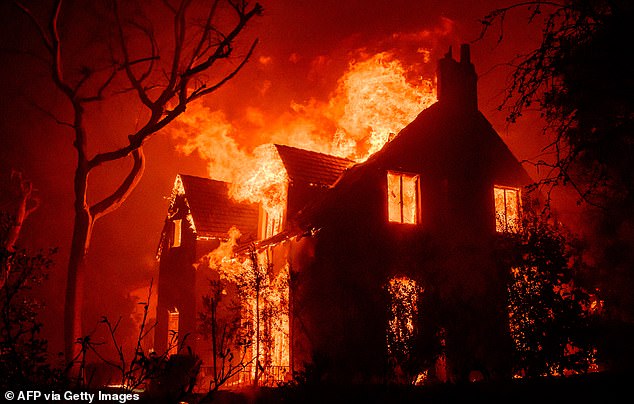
x,y
384,268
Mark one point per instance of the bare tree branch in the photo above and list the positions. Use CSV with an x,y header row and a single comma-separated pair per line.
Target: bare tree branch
x,y
41,30
115,200
203,90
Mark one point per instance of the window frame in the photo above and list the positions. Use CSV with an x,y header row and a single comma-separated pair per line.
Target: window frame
x,y
508,227
417,211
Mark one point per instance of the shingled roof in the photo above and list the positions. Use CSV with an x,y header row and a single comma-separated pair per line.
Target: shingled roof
x,y
214,212
312,167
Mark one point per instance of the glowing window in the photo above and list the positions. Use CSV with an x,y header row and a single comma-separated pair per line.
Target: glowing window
x,y
178,228
507,209
402,197
172,331
271,223
403,312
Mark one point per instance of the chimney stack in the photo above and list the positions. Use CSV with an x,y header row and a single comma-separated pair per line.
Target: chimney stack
x,y
457,81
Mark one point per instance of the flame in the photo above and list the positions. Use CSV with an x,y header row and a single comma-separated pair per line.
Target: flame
x,y
263,180
211,135
404,294
373,100
378,102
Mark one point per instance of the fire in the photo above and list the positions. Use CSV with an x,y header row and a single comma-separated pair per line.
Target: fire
x,y
264,304
404,294
211,135
374,99
378,102
263,181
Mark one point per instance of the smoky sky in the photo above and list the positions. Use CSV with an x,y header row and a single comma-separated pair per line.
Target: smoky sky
x,y
304,47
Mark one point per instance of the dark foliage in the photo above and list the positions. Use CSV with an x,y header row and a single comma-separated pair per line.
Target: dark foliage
x,y
24,359
549,313
580,80
221,324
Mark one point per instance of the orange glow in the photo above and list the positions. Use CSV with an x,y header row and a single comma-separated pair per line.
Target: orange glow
x,y
263,181
404,310
378,101
373,99
176,238
264,297
172,331
507,209
402,197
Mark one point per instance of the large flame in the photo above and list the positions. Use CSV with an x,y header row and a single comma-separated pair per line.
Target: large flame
x,y
373,100
263,180
378,102
264,297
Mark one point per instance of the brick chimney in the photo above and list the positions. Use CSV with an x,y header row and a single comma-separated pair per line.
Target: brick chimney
x,y
457,81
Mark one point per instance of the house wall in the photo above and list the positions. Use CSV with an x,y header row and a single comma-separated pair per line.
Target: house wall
x,y
176,280
340,298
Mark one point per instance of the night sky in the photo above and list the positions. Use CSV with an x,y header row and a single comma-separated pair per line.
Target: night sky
x,y
305,47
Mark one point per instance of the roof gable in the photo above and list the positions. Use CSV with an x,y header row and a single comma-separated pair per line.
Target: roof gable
x,y
214,212
312,167
442,141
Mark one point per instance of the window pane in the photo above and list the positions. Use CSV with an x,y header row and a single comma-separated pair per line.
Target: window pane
x,y
500,210
176,240
507,209
394,197
410,193
512,210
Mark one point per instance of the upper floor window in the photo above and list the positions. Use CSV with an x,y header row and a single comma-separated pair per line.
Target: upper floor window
x,y
178,231
507,209
403,197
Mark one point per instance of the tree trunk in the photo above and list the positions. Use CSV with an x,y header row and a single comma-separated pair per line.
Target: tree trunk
x,y
82,231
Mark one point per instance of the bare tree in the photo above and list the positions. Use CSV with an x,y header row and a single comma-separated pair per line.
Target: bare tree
x,y
577,81
162,79
221,324
20,203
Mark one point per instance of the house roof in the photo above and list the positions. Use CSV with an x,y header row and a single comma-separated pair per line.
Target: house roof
x,y
312,167
438,137
214,212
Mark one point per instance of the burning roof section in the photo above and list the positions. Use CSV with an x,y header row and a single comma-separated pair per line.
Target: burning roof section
x,y
214,212
317,169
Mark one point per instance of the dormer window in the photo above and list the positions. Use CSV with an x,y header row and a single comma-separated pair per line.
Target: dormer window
x,y
507,209
403,197
178,231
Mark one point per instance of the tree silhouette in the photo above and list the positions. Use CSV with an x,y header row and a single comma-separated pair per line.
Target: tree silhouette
x,y
549,314
579,81
163,55
582,87
24,357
